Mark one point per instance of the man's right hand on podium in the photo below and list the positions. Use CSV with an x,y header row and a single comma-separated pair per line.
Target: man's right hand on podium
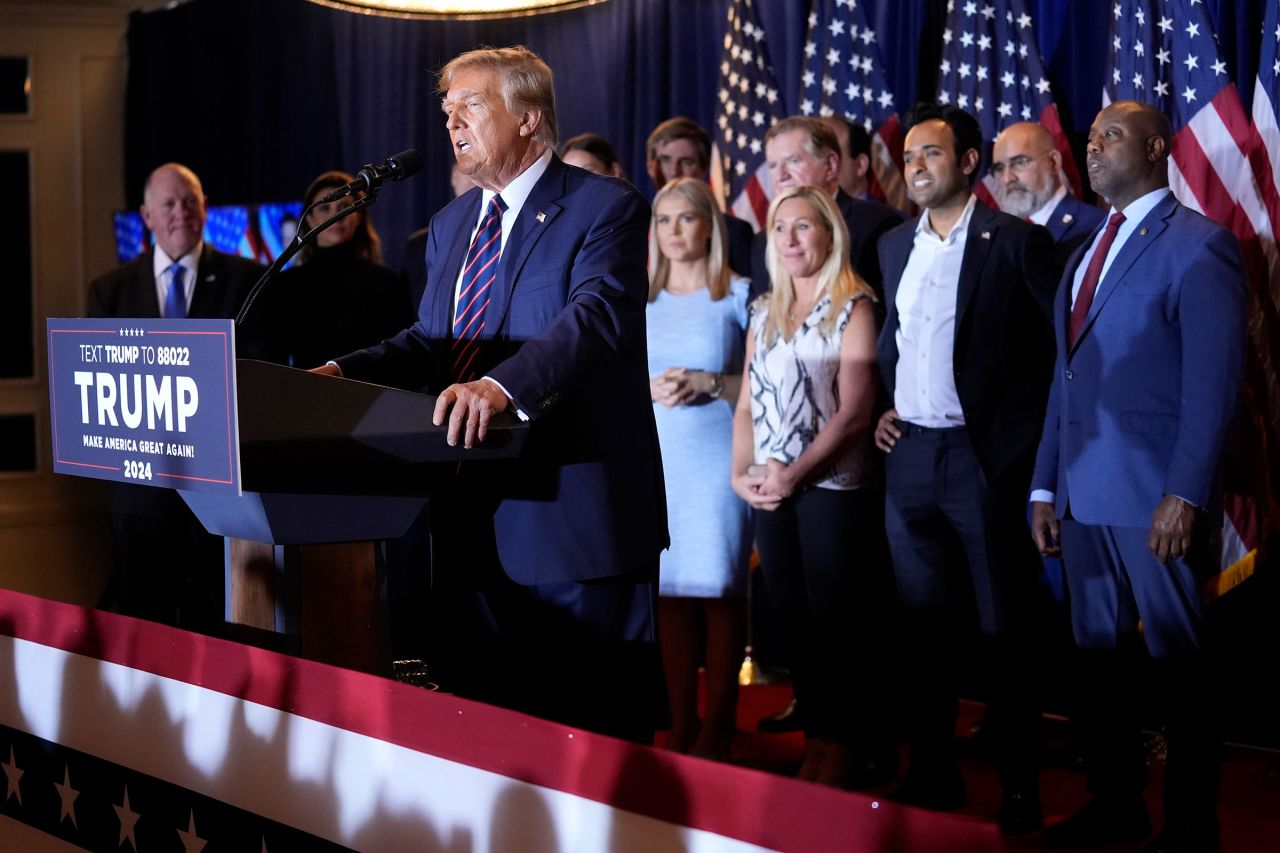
x,y
329,369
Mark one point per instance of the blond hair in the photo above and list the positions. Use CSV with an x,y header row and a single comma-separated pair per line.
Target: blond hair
x,y
527,82
699,194
835,277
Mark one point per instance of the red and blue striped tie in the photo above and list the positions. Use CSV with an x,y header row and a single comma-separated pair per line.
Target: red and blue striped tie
x,y
473,298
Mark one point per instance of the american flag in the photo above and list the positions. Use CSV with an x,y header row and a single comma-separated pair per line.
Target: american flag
x,y
844,74
227,230
991,67
748,93
1164,52
1262,385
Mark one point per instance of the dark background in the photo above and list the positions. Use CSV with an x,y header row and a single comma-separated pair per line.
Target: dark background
x,y
260,96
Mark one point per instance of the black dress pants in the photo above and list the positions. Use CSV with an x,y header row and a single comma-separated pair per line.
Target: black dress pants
x,y
955,538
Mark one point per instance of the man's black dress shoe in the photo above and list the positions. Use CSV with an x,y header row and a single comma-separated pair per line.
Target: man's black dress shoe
x,y
1101,822
786,720
940,792
1020,812
1186,836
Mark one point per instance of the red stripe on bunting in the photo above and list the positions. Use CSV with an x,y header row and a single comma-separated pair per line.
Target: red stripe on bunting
x,y
760,808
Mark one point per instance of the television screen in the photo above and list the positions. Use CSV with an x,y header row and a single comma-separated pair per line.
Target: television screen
x,y
257,231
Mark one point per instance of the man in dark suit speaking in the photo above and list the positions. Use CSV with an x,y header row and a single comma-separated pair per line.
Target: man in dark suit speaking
x,y
535,302
167,567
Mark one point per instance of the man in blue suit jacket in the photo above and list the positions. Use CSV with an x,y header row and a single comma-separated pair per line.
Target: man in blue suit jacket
x,y
562,544
1027,168
1150,319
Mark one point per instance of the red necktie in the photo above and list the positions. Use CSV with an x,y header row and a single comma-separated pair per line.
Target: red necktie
x,y
479,273
1089,285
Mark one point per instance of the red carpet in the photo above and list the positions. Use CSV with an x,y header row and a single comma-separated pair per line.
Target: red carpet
x,y
1249,811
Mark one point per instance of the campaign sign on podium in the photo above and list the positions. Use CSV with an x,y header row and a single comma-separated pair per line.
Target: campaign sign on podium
x,y
145,401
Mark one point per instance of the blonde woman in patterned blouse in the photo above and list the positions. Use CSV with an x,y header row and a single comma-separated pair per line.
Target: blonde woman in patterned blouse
x,y
802,438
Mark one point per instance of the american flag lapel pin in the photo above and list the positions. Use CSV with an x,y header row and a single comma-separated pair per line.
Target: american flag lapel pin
x,y
541,217
1142,231
986,235
1066,218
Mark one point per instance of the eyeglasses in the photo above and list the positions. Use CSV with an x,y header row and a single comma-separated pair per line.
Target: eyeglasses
x,y
1017,164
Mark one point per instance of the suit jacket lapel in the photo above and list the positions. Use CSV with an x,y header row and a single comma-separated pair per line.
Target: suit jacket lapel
x,y
204,301
441,293
897,251
537,214
144,302
981,233
1148,230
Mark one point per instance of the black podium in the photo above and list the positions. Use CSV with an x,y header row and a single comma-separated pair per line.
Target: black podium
x,y
329,466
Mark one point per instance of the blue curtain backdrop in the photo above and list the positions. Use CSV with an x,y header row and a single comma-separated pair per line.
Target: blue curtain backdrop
x,y
260,96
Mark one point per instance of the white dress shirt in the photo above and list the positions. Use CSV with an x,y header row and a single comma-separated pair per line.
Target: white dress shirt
x,y
925,383
1041,216
161,262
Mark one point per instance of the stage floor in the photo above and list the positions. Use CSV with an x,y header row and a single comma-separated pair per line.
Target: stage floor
x,y
1249,811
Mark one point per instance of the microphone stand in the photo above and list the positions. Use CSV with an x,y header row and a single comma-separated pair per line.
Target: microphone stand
x,y
300,239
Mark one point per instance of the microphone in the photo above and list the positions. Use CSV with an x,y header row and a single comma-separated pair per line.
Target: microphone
x,y
406,164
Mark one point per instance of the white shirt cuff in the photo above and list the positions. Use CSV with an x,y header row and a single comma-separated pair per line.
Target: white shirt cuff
x,y
1043,496
519,412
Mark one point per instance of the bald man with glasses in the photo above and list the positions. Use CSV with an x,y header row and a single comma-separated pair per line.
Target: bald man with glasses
x,y
1027,169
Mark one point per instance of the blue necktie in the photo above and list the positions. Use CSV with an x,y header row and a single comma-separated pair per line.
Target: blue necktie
x,y
175,304
478,275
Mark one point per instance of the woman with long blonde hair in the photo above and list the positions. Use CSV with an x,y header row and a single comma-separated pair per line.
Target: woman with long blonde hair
x,y
697,319
801,444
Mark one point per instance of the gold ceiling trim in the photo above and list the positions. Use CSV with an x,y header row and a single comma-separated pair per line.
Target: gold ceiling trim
x,y
456,10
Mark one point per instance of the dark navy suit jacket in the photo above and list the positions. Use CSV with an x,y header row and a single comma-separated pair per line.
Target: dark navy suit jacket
x,y
1003,338
1071,222
566,339
1140,408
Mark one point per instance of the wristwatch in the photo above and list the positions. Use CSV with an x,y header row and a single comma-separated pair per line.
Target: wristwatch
x,y
718,388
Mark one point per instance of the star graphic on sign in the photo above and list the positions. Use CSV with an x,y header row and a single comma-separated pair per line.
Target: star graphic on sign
x,y
13,775
192,843
68,796
128,818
